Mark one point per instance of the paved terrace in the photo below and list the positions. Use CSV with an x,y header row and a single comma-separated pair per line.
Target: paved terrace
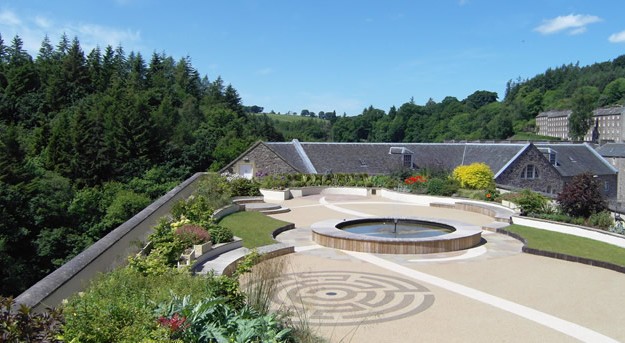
x,y
490,293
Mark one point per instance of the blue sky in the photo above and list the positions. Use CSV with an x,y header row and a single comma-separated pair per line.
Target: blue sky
x,y
338,55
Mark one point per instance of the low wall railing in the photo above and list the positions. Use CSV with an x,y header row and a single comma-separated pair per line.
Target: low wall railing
x,y
104,255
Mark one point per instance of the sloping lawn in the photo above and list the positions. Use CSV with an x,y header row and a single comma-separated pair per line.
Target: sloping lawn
x,y
253,227
569,244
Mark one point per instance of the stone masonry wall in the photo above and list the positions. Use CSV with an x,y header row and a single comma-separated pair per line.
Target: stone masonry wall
x,y
548,181
264,160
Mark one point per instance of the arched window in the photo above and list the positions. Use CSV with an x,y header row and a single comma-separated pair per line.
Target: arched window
x,y
529,172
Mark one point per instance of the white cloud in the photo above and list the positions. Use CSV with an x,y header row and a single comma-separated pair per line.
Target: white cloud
x,y
93,34
9,18
573,23
43,22
462,2
33,28
617,37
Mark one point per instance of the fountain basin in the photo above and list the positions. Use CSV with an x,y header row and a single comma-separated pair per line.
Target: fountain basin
x,y
378,235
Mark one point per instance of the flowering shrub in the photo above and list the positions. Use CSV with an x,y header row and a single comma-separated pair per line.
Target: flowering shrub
x,y
415,179
192,234
176,324
474,176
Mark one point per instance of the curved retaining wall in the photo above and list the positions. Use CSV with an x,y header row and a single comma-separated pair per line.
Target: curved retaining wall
x,y
104,255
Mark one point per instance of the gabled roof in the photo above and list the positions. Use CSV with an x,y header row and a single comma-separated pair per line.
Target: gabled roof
x,y
377,158
612,150
574,159
383,158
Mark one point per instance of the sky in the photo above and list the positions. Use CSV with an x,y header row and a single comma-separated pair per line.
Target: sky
x,y
341,55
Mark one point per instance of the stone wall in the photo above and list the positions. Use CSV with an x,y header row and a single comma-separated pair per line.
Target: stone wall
x,y
105,254
548,180
263,160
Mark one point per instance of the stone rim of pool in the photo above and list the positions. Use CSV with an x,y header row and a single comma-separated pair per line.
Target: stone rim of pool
x,y
464,236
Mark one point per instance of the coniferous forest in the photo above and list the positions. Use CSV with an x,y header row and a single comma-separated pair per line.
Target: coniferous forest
x,y
88,139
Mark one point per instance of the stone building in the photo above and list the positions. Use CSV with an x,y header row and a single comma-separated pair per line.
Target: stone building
x,y
614,153
541,167
607,123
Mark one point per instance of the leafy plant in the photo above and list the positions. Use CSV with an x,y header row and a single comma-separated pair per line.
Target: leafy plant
x,y
120,306
474,176
443,187
219,234
211,320
602,220
581,196
192,234
24,325
530,202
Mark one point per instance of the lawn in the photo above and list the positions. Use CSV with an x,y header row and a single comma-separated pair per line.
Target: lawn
x,y
253,227
528,136
569,244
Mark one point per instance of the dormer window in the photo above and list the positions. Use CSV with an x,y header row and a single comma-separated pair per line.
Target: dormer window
x,y
408,160
406,155
529,172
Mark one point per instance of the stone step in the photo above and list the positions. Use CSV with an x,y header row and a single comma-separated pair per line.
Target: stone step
x,y
276,211
259,207
221,262
248,200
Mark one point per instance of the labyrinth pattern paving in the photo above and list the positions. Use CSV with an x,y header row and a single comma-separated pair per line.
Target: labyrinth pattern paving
x,y
350,298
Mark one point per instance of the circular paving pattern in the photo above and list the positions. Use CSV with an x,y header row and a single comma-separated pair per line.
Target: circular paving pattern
x,y
350,298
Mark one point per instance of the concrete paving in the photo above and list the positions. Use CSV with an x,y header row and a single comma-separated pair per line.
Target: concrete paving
x,y
492,292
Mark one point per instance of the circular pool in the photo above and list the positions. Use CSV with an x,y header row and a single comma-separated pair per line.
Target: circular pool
x,y
396,235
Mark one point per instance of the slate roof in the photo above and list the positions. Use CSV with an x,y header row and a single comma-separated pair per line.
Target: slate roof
x,y
574,159
612,150
555,113
287,151
605,111
375,158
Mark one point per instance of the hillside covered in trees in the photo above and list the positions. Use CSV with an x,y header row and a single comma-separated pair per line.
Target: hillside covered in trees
x,y
88,140
482,115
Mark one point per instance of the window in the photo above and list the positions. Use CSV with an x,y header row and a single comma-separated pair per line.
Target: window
x,y
408,161
529,172
606,186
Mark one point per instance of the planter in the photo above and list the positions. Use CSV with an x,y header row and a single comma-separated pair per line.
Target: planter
x,y
273,194
201,249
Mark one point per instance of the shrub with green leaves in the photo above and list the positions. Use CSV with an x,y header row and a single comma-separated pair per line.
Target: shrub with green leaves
x,y
197,209
190,234
474,176
241,186
602,220
120,306
24,325
442,186
220,234
211,320
530,202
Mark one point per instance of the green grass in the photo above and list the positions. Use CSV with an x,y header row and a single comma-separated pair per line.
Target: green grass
x,y
528,136
569,244
253,227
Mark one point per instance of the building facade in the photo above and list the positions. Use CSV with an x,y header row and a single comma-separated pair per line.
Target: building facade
x,y
542,167
608,123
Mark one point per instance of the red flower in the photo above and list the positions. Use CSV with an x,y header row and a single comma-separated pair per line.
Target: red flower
x,y
175,324
415,179
488,195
